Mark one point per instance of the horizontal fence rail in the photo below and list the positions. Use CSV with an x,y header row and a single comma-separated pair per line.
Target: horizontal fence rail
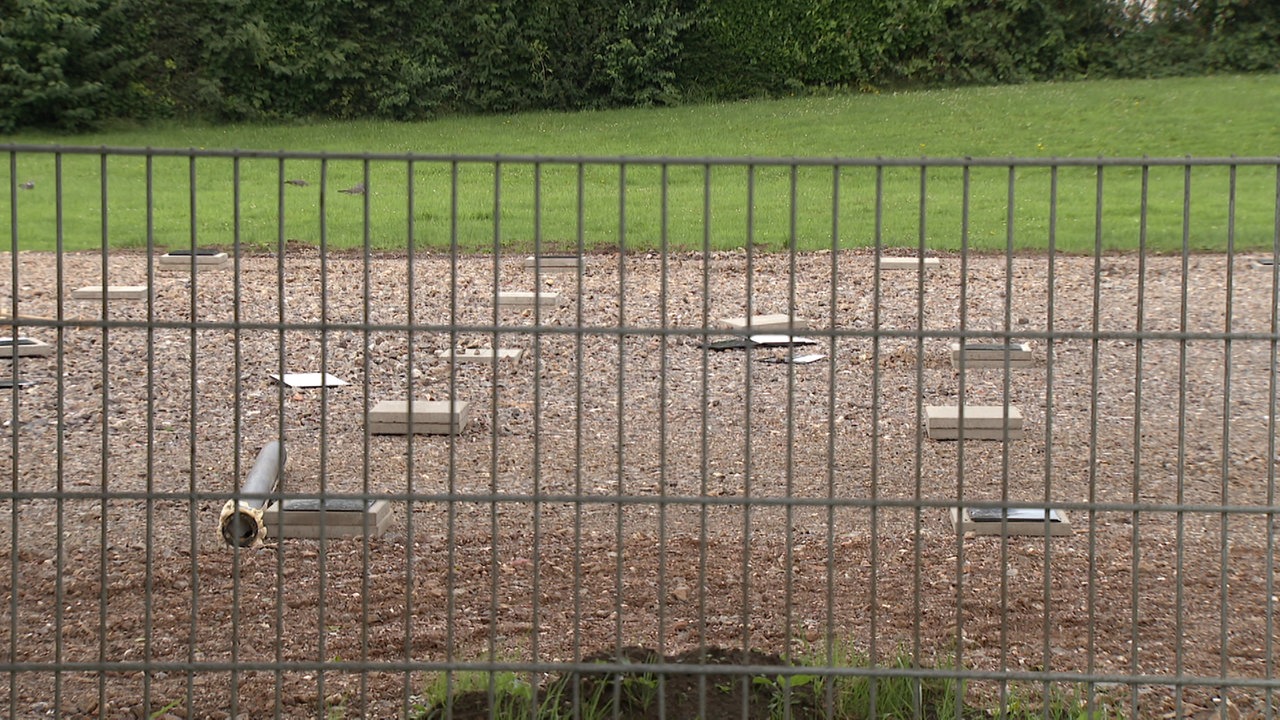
x,y
299,434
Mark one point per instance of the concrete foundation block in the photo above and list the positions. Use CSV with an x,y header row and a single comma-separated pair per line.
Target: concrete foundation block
x,y
1020,521
111,292
764,323
340,517
179,260
518,298
981,422
421,417
909,263
480,355
553,263
981,355
24,347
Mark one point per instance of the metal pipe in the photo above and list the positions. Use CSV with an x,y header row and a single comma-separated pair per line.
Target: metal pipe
x,y
241,520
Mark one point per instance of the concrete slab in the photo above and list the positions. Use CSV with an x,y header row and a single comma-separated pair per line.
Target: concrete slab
x,y
181,260
340,517
983,355
24,347
481,355
553,263
429,417
1021,521
519,298
976,417
402,428
909,263
764,323
974,434
111,292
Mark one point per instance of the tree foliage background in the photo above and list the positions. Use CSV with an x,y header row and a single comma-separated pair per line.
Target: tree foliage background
x,y
72,64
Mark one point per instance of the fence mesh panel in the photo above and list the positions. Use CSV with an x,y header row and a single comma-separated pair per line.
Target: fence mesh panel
x,y
637,437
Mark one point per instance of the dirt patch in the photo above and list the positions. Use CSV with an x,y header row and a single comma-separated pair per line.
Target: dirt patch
x,y
623,486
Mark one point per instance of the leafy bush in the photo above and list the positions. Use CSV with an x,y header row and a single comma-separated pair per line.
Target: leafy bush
x,y
72,63
59,68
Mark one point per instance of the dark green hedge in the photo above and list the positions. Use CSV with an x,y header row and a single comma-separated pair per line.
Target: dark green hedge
x,y
73,63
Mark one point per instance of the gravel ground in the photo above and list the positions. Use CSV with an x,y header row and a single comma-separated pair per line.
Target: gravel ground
x,y
768,506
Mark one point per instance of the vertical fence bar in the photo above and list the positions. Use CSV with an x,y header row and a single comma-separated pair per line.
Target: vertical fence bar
x,y
494,529
1006,323
104,487
1050,355
790,433
664,339
829,608
620,437
366,314
1224,557
281,317
1180,537
1094,347
1135,639
535,555
193,482
236,410
451,509
873,642
917,463
322,557
704,435
1274,365
411,489
14,484
59,593
966,199
748,463
579,358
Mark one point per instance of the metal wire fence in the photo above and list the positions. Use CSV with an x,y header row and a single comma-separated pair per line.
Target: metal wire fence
x,y
320,435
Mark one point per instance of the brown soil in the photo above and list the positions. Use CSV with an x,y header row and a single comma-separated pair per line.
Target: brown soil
x,y
763,506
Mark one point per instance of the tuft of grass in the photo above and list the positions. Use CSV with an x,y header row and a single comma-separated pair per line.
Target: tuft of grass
x,y
484,203
819,695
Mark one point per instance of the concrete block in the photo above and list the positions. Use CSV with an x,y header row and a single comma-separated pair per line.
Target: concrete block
x,y
981,422
765,323
24,347
909,263
340,517
517,298
428,417
553,263
181,260
480,355
111,292
1021,521
954,434
980,355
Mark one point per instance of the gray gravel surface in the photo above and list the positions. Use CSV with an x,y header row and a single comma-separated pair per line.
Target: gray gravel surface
x,y
766,505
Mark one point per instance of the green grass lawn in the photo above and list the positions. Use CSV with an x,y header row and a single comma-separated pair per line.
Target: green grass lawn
x,y
557,202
